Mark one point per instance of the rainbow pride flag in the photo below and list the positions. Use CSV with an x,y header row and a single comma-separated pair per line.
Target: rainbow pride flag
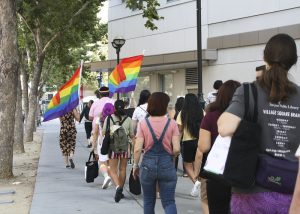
x,y
66,99
123,78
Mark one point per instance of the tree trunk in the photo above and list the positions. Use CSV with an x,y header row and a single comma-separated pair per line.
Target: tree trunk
x,y
31,119
8,81
19,122
25,90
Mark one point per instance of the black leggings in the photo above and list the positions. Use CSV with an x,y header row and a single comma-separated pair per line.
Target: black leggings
x,y
88,129
218,196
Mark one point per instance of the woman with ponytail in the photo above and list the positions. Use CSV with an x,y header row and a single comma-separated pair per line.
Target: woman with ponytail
x,y
278,102
118,159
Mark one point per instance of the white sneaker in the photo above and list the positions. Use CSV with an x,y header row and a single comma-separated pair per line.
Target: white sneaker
x,y
196,189
106,182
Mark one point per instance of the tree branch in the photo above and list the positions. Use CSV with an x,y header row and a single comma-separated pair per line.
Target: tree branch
x,y
29,28
70,22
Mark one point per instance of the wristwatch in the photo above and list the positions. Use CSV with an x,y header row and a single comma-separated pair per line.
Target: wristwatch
x,y
135,166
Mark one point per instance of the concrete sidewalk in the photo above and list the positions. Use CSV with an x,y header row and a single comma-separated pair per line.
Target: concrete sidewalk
x,y
64,191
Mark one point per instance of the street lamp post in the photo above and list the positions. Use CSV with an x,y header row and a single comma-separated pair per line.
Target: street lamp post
x,y
199,54
117,43
99,79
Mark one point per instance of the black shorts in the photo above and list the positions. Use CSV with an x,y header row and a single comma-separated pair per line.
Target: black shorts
x,y
189,150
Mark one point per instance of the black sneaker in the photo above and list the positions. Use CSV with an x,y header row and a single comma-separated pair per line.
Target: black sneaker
x,y
89,146
72,164
118,195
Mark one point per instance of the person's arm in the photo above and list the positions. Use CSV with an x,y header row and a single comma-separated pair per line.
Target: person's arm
x,y
91,113
204,144
179,123
134,124
139,142
95,138
176,145
82,114
104,126
227,124
76,115
131,130
231,118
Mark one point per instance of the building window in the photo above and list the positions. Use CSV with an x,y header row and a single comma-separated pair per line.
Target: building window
x,y
142,84
191,76
167,84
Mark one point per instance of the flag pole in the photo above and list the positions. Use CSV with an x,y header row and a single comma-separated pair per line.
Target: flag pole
x,y
81,64
79,85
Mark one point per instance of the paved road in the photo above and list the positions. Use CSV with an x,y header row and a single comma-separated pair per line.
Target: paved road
x,y
64,191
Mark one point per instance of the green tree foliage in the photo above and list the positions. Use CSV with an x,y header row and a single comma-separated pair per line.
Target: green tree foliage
x,y
149,8
56,28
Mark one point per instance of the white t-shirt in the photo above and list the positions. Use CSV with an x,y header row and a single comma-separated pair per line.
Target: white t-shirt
x,y
140,112
211,97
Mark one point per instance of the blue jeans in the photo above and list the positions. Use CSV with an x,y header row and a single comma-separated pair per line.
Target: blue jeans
x,y
159,169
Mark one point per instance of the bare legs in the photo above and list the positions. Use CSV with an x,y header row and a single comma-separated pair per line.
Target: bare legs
x,y
118,171
189,168
69,160
118,175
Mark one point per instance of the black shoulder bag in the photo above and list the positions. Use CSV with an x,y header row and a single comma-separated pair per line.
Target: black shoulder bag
x,y
106,140
91,169
241,163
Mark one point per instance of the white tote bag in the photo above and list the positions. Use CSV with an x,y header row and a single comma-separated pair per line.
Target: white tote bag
x,y
217,156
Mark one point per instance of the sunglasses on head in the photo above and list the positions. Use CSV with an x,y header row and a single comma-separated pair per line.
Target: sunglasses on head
x,y
260,68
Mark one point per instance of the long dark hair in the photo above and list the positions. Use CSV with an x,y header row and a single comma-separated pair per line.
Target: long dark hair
x,y
281,54
119,109
224,96
144,96
191,114
178,106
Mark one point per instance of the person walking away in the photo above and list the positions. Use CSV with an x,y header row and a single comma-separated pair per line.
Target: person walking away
x,y
87,122
107,110
95,114
102,98
128,109
178,107
188,121
160,138
217,193
140,111
211,96
67,136
279,132
119,146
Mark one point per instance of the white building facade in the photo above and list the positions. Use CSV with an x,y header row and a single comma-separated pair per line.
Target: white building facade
x,y
234,34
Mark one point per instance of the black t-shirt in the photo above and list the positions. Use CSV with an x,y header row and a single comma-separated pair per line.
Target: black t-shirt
x,y
279,122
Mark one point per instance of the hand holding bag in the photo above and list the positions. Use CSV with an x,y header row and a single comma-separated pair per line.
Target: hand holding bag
x,y
216,159
91,169
134,184
106,140
241,163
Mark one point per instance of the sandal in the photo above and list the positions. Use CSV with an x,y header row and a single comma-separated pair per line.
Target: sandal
x,y
67,166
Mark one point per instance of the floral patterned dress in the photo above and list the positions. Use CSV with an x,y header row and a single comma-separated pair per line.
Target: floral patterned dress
x,y
67,137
